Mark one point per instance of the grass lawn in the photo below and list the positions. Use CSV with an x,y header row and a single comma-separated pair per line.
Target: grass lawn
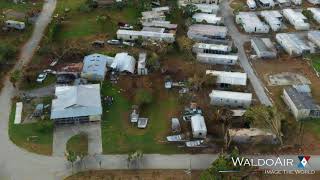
x,y
78,144
315,60
8,4
120,136
313,125
79,24
19,134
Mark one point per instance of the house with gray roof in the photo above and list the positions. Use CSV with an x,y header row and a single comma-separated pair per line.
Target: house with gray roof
x,y
95,67
300,102
76,104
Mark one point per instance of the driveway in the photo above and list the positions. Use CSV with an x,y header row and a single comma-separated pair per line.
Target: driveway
x,y
239,40
64,132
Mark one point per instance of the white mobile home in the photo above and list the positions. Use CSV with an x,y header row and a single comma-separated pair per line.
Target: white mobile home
x,y
315,2
263,47
273,18
251,23
232,78
204,32
161,24
230,99
284,3
207,18
265,3
145,35
217,59
292,44
207,8
315,13
185,2
164,9
198,125
149,16
251,4
15,25
296,18
211,48
296,2
314,36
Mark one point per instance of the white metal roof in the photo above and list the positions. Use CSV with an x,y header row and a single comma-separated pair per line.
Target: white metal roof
x,y
18,114
164,24
207,8
231,95
218,47
161,9
219,56
198,123
96,64
144,33
124,62
210,30
76,101
209,18
250,21
234,78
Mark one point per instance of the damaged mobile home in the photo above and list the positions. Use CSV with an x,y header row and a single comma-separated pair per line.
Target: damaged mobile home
x,y
231,78
204,32
263,47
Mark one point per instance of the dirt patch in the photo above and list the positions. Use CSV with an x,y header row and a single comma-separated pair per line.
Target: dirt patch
x,y
286,79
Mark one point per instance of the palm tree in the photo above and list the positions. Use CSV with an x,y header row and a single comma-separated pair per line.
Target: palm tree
x,y
134,159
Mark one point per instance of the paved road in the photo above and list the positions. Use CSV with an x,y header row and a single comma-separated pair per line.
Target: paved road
x,y
239,40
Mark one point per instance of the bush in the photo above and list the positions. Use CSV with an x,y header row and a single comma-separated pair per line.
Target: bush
x,y
84,8
7,52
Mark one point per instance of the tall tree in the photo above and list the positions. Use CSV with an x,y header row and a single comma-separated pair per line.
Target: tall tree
x,y
266,117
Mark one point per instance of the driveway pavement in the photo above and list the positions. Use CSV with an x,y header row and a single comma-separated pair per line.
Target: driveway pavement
x,y
63,133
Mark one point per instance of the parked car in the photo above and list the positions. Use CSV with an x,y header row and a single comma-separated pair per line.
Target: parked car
x,y
50,71
127,43
114,42
41,77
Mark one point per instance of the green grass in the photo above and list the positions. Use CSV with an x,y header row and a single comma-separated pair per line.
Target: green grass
x,y
8,4
78,144
313,125
51,79
81,24
20,133
120,136
315,60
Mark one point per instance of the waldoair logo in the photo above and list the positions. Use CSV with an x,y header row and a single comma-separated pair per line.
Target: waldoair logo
x,y
303,161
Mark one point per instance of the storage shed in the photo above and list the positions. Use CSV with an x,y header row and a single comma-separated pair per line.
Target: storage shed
x,y
198,125
217,59
230,99
142,69
232,78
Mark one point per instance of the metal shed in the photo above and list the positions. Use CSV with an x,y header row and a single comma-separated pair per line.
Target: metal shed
x,y
198,125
